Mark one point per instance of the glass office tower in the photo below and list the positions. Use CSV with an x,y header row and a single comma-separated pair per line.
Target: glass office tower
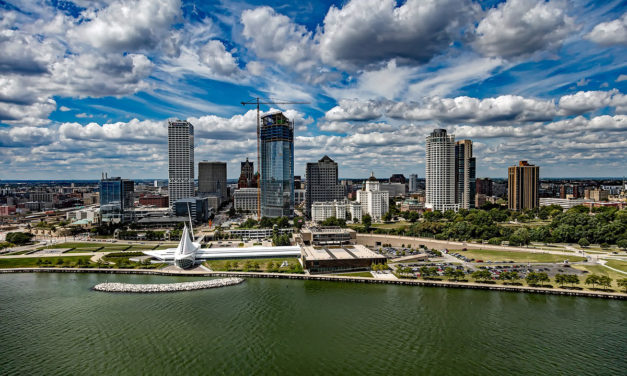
x,y
277,165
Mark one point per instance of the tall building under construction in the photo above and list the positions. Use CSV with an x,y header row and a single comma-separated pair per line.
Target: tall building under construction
x,y
277,165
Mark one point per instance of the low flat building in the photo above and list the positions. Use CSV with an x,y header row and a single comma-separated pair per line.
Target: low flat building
x,y
563,202
246,200
321,259
327,235
258,233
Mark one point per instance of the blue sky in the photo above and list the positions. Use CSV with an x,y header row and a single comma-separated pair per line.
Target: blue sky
x,y
88,86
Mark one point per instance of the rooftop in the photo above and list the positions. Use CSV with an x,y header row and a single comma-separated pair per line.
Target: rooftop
x,y
347,252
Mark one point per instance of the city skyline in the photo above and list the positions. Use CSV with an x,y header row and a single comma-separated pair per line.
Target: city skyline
x,y
89,86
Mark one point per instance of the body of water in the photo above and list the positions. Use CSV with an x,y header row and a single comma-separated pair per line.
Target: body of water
x,y
55,324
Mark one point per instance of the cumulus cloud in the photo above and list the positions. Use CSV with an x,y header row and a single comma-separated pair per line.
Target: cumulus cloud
x,y
610,33
364,32
501,109
125,26
587,101
275,37
522,27
218,59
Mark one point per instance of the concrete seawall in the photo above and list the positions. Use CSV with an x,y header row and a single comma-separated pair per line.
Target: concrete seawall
x,y
167,287
335,278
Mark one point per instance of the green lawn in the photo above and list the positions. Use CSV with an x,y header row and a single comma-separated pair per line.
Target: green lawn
x,y
29,262
618,264
599,270
516,256
20,252
357,274
166,246
220,265
389,226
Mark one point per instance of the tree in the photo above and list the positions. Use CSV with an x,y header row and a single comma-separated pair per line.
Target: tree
x,y
227,265
592,279
622,244
513,276
560,279
232,212
605,281
482,275
19,238
572,279
532,279
425,272
622,283
583,242
366,220
449,272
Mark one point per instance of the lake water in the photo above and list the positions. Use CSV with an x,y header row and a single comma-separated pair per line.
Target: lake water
x,y
55,324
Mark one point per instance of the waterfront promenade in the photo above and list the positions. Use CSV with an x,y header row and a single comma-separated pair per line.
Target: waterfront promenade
x,y
334,278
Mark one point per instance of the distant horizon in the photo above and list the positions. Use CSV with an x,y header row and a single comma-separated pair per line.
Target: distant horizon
x,y
353,178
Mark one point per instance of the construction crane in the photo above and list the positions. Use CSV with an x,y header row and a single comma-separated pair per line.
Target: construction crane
x,y
257,101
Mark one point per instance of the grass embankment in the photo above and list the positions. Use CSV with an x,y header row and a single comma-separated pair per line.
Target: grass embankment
x,y
618,264
357,274
256,265
601,271
31,262
515,256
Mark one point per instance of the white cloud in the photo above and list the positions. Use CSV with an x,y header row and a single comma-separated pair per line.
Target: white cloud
x,y
218,59
586,101
128,26
275,37
502,109
364,32
622,77
610,33
64,109
522,27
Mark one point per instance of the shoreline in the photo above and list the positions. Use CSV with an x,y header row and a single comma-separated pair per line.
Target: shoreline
x,y
335,278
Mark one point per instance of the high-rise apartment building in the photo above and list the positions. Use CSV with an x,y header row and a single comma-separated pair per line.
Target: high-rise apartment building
x,y
180,160
484,186
374,201
277,165
522,186
413,183
322,184
212,179
440,171
465,170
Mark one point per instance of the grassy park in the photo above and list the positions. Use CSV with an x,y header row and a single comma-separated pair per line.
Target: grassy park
x,y
516,256
31,262
618,264
256,265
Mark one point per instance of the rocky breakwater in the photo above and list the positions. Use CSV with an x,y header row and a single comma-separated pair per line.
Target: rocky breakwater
x,y
167,287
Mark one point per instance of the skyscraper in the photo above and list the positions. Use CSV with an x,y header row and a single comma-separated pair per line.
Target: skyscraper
x,y
322,184
413,182
212,179
277,165
522,186
465,168
440,171
180,160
